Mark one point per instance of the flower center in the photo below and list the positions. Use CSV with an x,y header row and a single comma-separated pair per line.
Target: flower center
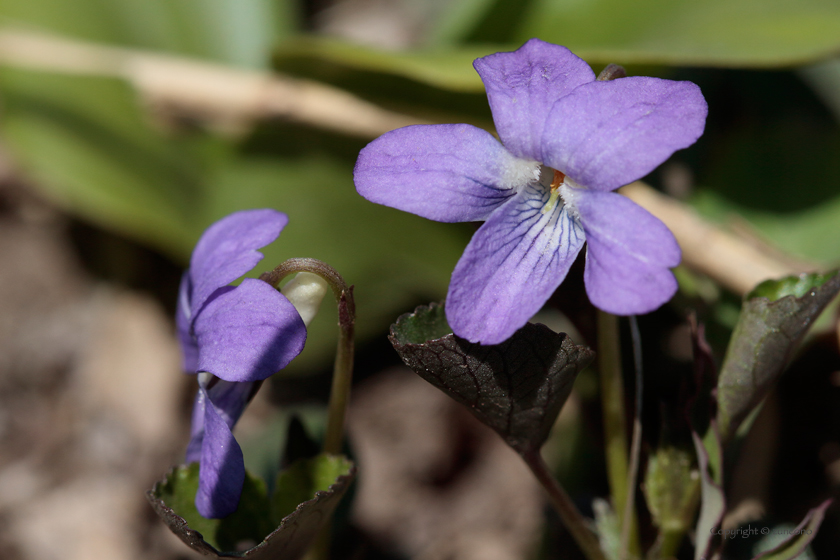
x,y
557,180
561,188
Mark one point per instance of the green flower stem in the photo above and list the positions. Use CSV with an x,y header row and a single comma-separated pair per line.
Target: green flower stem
x,y
343,368
671,541
569,514
615,430
636,445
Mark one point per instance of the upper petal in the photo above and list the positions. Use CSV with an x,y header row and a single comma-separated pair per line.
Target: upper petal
x,y
511,267
608,134
248,333
222,472
228,249
447,172
523,85
629,254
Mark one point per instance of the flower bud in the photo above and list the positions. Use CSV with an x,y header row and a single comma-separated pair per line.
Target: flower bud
x,y
306,291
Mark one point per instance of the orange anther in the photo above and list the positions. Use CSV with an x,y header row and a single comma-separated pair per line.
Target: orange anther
x,y
558,179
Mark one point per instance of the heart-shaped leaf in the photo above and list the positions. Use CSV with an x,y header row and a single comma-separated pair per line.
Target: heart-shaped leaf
x,y
285,525
774,318
517,387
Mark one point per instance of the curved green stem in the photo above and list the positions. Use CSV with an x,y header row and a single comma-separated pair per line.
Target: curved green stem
x,y
343,368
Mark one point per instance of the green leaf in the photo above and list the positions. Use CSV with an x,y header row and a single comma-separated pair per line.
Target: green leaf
x,y
237,32
800,537
285,525
743,33
723,33
448,68
304,479
89,149
425,324
768,332
174,500
796,286
712,499
517,387
456,20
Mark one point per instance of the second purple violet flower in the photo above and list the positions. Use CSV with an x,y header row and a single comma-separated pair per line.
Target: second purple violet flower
x,y
233,337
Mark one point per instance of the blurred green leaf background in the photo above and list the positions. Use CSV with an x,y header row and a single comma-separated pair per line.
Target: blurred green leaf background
x,y
98,149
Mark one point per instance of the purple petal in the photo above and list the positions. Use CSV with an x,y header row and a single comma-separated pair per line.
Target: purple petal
x,y
607,134
248,333
196,427
629,253
447,172
523,85
222,472
511,267
228,249
183,322
229,398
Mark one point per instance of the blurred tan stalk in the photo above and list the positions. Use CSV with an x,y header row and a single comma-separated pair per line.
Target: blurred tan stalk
x,y
222,94
734,262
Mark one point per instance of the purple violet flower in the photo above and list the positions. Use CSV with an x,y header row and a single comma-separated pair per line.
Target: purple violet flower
x,y
567,140
234,337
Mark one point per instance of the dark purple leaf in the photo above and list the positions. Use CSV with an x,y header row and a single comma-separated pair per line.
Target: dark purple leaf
x,y
517,387
773,321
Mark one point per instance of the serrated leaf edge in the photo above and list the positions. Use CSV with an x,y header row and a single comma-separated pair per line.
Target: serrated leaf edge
x,y
201,545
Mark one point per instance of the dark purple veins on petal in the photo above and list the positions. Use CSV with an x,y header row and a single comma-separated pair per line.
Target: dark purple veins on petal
x,y
511,267
447,173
